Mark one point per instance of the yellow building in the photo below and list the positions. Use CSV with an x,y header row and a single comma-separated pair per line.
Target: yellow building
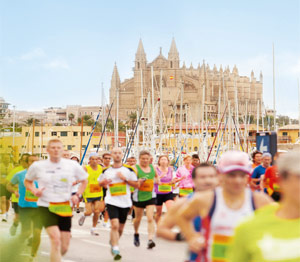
x,y
25,142
288,134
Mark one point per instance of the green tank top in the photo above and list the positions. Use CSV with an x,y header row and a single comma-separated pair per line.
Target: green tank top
x,y
145,192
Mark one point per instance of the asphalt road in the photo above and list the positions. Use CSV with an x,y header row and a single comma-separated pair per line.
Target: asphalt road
x,y
88,248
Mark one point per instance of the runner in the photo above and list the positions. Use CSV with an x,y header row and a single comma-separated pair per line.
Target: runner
x,y
106,159
260,170
204,178
195,160
5,167
184,175
55,177
75,186
93,193
273,233
145,198
23,163
28,209
163,188
118,178
271,180
222,209
256,159
131,161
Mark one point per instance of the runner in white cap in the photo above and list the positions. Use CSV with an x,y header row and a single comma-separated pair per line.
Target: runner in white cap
x,y
221,209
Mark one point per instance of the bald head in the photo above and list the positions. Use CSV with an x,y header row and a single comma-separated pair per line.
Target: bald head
x,y
117,155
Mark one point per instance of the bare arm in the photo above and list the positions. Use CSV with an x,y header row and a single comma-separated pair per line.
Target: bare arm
x,y
31,187
199,205
167,222
82,186
261,199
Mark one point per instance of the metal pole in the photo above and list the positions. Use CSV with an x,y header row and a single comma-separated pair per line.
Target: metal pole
x,y
14,121
81,133
274,105
33,125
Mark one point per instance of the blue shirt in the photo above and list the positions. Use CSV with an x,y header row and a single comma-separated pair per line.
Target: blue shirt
x,y
258,171
19,179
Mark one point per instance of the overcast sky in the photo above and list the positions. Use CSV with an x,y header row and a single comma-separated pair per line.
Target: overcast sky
x,y
58,52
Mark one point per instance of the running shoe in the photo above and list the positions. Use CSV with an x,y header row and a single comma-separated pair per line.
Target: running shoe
x,y
93,233
116,254
151,244
81,220
136,240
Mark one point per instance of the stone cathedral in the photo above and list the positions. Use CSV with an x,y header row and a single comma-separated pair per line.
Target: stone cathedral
x,y
169,76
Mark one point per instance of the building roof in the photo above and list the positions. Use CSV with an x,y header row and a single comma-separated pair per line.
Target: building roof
x,y
289,127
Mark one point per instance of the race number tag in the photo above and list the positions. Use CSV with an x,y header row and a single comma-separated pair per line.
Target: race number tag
x,y
185,191
30,197
164,188
219,247
147,186
95,188
117,189
62,209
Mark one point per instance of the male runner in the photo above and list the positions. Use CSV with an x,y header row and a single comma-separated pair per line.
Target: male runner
x,y
28,209
145,198
195,160
222,209
23,163
93,193
106,159
55,177
204,178
273,233
118,178
259,171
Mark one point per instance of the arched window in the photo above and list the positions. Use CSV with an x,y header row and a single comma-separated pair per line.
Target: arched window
x,y
138,65
171,64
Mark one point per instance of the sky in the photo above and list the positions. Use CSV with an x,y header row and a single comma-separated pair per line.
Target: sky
x,y
59,52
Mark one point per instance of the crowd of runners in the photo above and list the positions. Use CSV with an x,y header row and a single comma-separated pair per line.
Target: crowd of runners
x,y
239,210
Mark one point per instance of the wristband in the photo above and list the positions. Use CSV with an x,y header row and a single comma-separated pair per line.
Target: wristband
x,y
179,237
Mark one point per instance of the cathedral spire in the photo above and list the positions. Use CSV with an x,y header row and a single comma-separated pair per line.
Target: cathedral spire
x,y
115,79
173,55
140,56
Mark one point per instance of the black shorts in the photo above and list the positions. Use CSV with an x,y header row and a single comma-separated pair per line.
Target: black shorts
x,y
117,212
162,198
15,206
30,215
93,199
49,219
104,192
144,204
4,192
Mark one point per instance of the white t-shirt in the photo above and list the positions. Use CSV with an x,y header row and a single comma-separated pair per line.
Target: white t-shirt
x,y
122,201
56,178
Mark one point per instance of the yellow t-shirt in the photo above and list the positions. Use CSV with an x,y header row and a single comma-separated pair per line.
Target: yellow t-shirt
x,y
93,189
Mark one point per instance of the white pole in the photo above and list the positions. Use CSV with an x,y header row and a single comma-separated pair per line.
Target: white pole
x,y
117,121
180,120
257,117
274,105
102,109
14,123
161,106
142,101
186,128
262,116
299,106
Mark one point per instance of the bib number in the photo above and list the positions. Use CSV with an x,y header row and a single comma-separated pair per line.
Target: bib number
x,y
185,191
30,197
219,247
62,209
147,186
118,189
164,188
95,188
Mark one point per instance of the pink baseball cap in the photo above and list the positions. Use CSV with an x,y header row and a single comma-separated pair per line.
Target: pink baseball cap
x,y
234,161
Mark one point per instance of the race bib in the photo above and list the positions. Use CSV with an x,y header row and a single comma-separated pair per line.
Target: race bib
x,y
147,186
117,189
132,189
164,188
185,191
62,209
30,197
219,248
95,188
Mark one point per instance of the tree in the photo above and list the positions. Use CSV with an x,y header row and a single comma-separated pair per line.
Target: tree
x,y
71,117
132,120
87,120
29,121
